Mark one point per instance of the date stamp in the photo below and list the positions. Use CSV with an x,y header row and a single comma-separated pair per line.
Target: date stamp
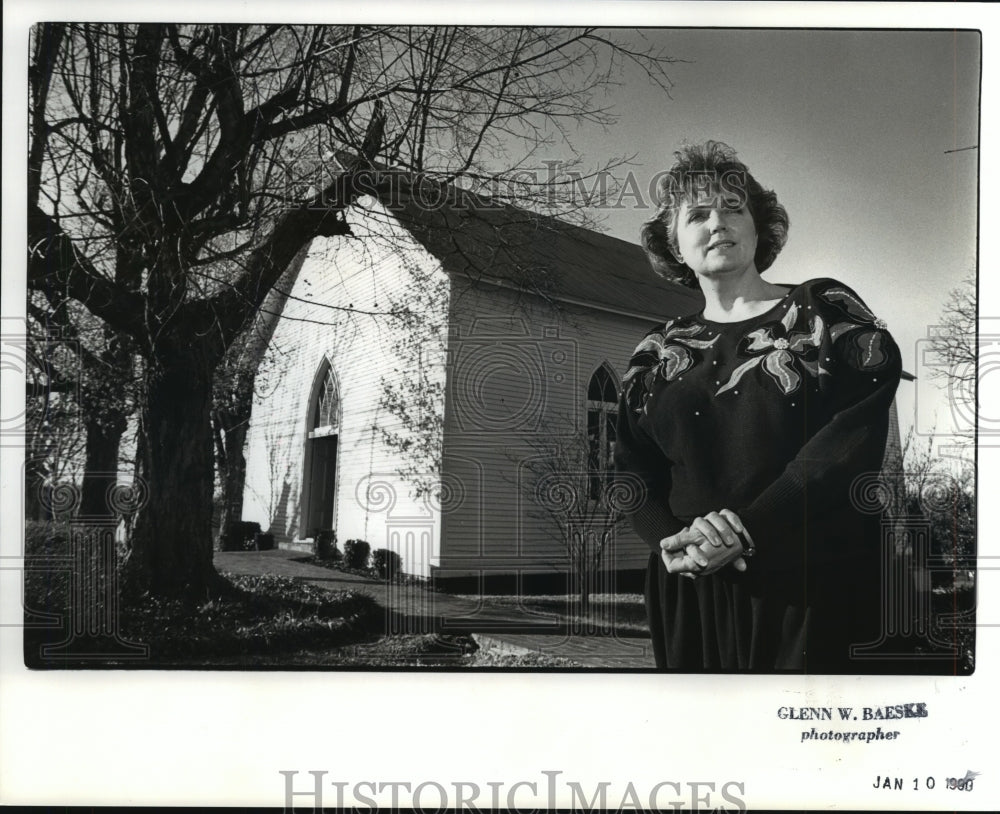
x,y
896,783
961,783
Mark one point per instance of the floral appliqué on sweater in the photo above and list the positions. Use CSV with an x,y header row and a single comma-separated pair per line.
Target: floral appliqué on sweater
x,y
787,350
774,347
665,353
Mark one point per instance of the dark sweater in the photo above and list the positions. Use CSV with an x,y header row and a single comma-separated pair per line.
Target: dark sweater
x,y
777,418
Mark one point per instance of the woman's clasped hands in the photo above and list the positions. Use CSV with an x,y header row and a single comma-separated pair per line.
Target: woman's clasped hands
x,y
707,545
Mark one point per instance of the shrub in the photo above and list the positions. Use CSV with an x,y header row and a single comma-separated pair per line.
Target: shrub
x,y
388,563
265,541
42,537
260,617
326,544
356,553
240,536
45,591
53,563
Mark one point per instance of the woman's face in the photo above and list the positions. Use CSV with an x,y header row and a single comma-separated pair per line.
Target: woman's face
x,y
715,238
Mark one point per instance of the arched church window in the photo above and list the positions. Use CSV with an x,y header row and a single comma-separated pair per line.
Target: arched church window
x,y
326,418
602,416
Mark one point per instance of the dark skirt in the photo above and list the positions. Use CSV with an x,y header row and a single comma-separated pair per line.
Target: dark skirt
x,y
763,622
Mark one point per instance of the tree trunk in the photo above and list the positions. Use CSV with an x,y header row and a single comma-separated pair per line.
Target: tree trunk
x,y
172,546
138,476
34,476
100,468
234,471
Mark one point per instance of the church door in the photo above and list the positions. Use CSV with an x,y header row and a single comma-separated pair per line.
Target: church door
x,y
322,488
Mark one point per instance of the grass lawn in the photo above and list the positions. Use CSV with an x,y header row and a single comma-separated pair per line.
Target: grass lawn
x,y
273,622
337,564
623,614
265,622
264,618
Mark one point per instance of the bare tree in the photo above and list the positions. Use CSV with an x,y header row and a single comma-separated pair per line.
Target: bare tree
x,y
943,489
54,433
174,172
574,502
955,345
413,399
96,365
92,359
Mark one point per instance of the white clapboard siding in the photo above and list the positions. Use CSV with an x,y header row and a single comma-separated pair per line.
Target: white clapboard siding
x,y
517,382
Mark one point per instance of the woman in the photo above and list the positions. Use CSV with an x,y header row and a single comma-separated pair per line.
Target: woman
x,y
747,425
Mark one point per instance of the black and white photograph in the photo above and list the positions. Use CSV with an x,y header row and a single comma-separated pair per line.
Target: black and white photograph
x,y
644,359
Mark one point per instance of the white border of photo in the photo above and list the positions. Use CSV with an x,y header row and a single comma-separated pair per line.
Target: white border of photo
x,y
223,738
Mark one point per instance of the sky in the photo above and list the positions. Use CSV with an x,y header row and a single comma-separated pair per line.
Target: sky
x,y
850,129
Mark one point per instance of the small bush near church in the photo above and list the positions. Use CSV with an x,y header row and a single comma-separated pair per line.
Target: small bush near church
x,y
388,564
356,554
241,536
326,545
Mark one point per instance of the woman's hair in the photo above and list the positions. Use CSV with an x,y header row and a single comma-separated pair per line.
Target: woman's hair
x,y
713,169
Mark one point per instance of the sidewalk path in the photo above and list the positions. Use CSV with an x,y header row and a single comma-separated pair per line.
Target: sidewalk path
x,y
413,609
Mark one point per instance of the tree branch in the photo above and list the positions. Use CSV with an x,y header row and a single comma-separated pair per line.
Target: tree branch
x,y
54,262
47,49
227,312
145,183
